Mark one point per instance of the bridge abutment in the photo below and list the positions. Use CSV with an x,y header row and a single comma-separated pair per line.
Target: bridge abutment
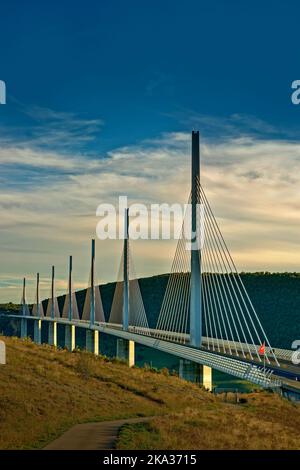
x,y
196,373
37,331
70,337
52,333
23,328
92,341
126,351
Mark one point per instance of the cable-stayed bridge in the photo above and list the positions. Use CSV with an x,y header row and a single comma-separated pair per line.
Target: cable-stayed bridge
x,y
206,318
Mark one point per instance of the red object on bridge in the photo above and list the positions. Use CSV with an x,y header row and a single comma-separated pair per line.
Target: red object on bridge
x,y
262,349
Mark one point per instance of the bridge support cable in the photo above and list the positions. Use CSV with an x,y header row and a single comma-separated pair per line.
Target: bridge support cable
x,y
217,274
37,309
241,322
24,305
137,318
230,323
220,282
38,312
115,316
70,310
138,321
99,312
227,300
52,307
24,311
173,320
93,308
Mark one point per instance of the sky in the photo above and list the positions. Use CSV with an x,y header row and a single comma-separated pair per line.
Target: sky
x,y
101,100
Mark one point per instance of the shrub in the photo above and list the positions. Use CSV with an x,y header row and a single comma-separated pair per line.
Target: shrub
x,y
83,366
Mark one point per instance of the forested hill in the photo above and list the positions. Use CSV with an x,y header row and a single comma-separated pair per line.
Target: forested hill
x,y
275,296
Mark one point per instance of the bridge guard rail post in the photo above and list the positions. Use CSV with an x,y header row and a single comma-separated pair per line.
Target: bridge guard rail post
x,y
196,373
52,333
92,341
70,337
37,331
126,351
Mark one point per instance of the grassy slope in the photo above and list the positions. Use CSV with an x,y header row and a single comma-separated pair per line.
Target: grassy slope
x,y
265,422
45,391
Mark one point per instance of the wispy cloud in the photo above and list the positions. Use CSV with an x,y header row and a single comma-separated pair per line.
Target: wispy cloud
x,y
52,130
231,126
252,181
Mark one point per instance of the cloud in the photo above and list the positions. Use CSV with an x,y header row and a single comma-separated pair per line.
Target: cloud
x,y
53,130
49,197
231,126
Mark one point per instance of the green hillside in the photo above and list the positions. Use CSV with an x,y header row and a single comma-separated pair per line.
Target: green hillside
x,y
276,298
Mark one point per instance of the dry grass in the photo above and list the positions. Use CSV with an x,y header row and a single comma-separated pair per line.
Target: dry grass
x,y
44,391
266,421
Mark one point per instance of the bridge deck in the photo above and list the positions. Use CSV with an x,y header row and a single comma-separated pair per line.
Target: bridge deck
x,y
241,367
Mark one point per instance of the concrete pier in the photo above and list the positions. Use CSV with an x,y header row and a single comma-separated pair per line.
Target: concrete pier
x,y
23,328
126,351
70,337
92,341
37,331
2,353
196,373
52,333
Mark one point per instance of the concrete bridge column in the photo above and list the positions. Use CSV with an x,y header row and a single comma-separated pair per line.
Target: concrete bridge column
x,y
2,353
23,328
70,337
196,373
125,351
37,331
92,341
52,333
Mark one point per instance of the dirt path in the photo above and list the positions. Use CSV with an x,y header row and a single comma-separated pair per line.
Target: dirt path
x,y
91,436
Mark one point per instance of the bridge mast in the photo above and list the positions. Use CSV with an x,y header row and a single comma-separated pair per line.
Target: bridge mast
x,y
24,311
70,312
37,324
126,348
52,293
92,312
195,295
38,310
125,273
24,297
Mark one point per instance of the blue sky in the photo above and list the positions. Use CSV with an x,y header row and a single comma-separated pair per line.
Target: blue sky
x,y
91,83
138,65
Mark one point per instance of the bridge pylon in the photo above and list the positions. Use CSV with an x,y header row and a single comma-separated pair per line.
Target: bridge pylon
x,y
70,341
24,311
38,311
125,311
52,327
195,292
92,335
125,347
